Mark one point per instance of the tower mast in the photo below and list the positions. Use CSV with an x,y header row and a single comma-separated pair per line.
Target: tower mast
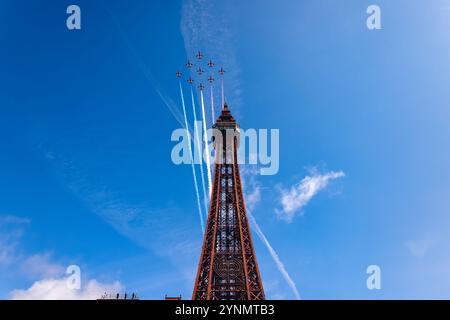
x,y
227,269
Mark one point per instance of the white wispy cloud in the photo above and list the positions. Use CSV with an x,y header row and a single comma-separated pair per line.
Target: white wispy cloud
x,y
274,256
12,255
40,265
252,189
57,289
164,231
12,219
294,199
11,230
251,185
52,281
253,198
420,247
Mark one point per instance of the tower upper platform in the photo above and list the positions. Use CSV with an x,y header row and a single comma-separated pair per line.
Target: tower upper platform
x,y
225,120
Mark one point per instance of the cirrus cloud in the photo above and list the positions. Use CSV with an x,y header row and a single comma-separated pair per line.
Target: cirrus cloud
x,y
57,289
295,198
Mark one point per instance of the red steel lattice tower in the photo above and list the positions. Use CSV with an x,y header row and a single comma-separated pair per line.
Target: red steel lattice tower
x,y
227,269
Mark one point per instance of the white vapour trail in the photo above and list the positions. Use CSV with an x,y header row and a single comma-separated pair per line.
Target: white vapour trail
x,y
199,150
212,104
274,256
208,165
202,224
223,94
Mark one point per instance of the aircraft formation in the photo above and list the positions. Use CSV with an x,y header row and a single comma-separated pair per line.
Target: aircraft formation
x,y
200,71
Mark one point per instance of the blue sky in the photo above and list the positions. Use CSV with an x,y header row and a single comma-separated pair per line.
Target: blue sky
x,y
86,176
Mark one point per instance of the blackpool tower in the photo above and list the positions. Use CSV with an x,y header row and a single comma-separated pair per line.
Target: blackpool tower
x,y
227,268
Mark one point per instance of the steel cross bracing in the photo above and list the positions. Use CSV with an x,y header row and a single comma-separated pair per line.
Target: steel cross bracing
x,y
228,269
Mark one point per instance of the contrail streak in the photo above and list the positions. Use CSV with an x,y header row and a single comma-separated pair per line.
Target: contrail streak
x,y
199,150
274,256
206,142
212,104
223,95
202,225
